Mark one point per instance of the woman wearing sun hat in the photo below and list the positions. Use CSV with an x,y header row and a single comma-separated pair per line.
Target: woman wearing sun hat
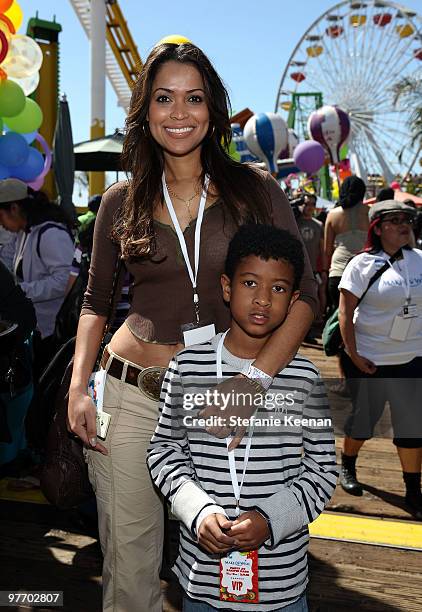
x,y
383,344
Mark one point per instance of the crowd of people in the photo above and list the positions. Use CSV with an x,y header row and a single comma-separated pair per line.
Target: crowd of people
x,y
215,285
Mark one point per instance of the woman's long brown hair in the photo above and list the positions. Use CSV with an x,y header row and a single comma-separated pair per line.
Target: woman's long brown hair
x,y
239,185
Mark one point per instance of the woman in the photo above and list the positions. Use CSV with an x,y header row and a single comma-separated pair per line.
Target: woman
x,y
43,256
345,232
383,344
178,129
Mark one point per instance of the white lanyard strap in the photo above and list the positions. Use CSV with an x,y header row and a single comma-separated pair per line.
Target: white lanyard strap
x,y
406,280
193,273
20,251
232,462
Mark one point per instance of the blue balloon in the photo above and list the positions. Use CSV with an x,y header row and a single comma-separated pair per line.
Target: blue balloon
x,y
31,168
29,137
4,173
14,150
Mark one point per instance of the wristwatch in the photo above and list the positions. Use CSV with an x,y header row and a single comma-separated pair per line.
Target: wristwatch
x,y
257,376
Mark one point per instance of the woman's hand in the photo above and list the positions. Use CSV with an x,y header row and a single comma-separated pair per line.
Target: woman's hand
x,y
364,364
249,531
82,420
234,401
211,534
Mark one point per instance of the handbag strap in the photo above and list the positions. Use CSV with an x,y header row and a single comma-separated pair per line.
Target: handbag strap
x,y
380,272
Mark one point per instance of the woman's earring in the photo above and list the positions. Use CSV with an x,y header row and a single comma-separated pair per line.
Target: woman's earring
x,y
210,134
144,129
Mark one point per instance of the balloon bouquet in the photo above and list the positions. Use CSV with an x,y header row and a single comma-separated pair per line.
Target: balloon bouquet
x,y
20,117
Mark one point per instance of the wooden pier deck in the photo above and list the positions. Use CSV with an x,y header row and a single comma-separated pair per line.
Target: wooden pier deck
x,y
44,549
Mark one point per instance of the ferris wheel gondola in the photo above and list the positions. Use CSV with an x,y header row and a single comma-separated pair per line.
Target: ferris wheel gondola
x,y
354,55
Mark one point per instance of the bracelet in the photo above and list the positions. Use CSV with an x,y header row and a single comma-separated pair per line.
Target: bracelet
x,y
255,374
258,388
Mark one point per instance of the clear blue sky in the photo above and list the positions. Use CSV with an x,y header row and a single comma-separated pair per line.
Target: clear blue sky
x,y
249,43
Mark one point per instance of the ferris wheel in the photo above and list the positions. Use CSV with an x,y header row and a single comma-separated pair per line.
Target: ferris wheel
x,y
353,56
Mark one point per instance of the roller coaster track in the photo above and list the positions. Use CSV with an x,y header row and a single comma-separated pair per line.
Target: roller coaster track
x,y
123,62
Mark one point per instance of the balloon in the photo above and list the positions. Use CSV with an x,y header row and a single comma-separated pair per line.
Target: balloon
x,y
14,13
14,150
37,184
28,120
47,152
395,185
293,141
29,84
265,135
4,46
5,5
29,137
330,126
4,172
241,148
174,39
24,58
12,99
7,26
31,168
309,156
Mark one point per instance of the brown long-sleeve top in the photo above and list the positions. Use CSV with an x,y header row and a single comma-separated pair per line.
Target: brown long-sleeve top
x,y
162,293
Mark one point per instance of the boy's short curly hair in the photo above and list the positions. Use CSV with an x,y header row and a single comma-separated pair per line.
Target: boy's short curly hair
x,y
266,242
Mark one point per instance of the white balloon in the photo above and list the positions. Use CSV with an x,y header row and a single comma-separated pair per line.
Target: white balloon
x,y
266,135
24,57
28,84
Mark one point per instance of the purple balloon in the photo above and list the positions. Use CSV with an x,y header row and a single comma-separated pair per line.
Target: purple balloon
x,y
309,156
32,167
14,150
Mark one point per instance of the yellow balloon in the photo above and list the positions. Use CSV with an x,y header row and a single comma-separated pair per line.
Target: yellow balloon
x,y
15,15
174,39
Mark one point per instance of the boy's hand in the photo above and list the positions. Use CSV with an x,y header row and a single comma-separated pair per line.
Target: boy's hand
x,y
211,535
233,387
249,531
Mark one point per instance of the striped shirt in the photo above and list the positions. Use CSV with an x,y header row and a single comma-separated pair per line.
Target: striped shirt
x,y
290,477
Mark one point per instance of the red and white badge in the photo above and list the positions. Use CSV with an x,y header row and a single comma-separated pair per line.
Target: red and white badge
x,y
239,577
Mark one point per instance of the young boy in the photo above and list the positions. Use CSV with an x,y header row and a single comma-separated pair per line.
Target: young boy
x,y
244,532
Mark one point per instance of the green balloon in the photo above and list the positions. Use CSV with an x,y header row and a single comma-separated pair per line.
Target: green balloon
x,y
12,98
29,120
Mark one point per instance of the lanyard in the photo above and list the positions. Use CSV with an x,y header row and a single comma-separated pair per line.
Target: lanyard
x,y
20,251
406,280
193,274
237,488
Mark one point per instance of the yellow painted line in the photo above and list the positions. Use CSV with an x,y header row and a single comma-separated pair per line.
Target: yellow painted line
x,y
33,496
380,532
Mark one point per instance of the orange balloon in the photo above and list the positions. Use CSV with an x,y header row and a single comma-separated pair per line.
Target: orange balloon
x,y
5,5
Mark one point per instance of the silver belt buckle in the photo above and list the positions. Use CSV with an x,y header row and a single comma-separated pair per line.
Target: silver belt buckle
x,y
149,382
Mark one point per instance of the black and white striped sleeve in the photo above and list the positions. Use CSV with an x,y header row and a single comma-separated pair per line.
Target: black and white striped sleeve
x,y
169,460
293,507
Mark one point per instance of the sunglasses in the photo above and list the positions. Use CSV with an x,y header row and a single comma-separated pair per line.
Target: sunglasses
x,y
397,220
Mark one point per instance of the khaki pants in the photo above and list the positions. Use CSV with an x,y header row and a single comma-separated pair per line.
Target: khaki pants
x,y
130,512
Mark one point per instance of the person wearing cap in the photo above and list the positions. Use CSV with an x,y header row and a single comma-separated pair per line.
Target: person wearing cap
x,y
171,223
42,259
382,337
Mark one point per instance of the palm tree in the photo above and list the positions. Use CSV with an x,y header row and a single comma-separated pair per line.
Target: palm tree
x,y
408,91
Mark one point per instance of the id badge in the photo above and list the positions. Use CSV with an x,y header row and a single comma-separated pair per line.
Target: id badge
x,y
103,423
400,328
96,386
196,333
239,577
410,311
